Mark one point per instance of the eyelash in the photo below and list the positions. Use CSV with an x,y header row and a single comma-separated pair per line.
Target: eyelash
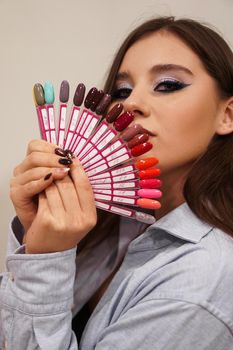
x,y
171,86
121,94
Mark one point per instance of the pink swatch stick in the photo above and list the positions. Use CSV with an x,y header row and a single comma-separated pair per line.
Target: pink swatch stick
x,y
49,99
75,114
63,97
41,110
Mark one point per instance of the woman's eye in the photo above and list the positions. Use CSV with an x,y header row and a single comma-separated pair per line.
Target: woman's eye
x,y
169,86
122,93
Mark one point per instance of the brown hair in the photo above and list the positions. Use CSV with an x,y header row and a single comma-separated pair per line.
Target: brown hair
x,y
208,189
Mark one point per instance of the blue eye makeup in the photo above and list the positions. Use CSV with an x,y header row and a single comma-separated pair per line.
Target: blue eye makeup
x,y
165,86
169,85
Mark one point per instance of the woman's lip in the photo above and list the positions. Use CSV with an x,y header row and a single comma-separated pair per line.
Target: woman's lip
x,y
150,133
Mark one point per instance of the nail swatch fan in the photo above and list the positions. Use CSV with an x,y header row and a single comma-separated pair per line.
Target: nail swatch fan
x,y
107,145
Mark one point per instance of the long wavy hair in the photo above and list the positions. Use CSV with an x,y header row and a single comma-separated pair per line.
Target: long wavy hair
x,y
208,189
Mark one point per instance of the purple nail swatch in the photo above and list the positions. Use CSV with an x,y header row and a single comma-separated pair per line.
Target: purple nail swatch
x,y
64,91
103,104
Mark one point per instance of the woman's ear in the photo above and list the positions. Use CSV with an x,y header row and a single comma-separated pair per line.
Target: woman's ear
x,y
225,122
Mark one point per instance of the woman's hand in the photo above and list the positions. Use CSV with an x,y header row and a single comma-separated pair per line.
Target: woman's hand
x,y
31,177
66,213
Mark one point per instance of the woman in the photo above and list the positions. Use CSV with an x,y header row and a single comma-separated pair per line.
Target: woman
x,y
168,286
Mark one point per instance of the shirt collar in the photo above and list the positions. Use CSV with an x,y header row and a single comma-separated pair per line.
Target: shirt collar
x,y
183,223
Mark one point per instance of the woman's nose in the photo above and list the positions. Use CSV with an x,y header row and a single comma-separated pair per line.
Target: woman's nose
x,y
136,103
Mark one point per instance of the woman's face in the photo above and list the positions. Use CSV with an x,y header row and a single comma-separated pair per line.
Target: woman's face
x,y
163,82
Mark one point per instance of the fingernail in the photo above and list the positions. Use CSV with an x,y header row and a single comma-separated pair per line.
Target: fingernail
x,y
60,152
69,154
114,112
141,149
150,183
47,176
149,193
137,140
79,94
145,163
149,173
61,170
64,91
39,94
148,203
123,121
89,98
49,92
130,132
65,161
103,104
96,99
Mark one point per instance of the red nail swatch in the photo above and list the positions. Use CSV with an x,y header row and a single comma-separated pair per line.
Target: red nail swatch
x,y
145,163
136,140
123,121
114,112
141,149
149,173
150,183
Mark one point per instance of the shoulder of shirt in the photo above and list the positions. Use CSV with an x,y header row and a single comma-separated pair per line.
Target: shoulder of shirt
x,y
196,240
181,257
182,223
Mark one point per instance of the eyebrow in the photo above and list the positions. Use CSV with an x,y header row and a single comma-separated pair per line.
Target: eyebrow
x,y
163,68
158,69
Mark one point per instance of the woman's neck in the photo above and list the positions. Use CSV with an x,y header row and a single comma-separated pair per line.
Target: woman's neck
x,y
172,189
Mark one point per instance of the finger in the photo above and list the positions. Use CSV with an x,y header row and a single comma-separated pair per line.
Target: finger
x,y
83,187
68,194
39,173
54,201
40,146
41,159
32,188
42,204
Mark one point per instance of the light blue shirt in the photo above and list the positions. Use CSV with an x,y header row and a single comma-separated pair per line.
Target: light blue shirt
x,y
173,291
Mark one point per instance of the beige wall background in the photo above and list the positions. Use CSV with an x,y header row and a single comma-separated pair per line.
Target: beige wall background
x,y
73,40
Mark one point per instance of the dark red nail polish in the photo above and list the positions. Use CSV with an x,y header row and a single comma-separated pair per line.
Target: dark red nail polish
x,y
65,161
69,154
96,99
114,112
123,121
141,149
60,152
47,176
140,138
79,94
149,173
89,98
103,104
